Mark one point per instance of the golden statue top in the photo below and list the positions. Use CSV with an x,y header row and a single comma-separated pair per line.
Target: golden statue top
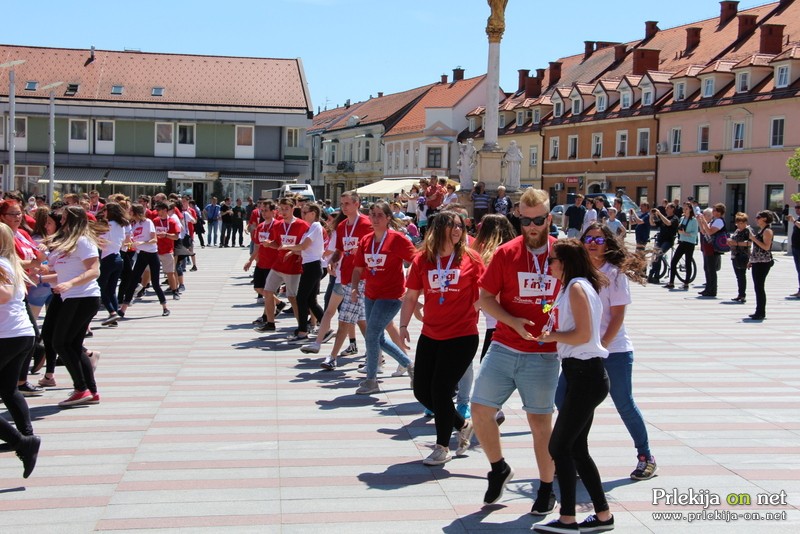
x,y
496,24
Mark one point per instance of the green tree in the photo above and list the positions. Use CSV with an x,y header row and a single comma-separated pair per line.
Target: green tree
x,y
793,163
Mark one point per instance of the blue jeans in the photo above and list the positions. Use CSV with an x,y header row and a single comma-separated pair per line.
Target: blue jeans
x,y
213,230
619,367
380,313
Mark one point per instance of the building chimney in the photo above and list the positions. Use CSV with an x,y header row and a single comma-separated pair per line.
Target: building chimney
x,y
533,87
588,49
523,78
650,29
540,74
746,24
91,54
692,38
458,74
380,94
555,72
619,52
727,10
645,59
444,79
771,38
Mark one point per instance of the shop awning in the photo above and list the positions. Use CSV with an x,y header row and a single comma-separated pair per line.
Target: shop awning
x,y
261,177
387,187
135,177
75,175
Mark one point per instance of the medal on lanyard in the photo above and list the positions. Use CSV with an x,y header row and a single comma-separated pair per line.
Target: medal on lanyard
x,y
444,283
541,271
348,236
550,309
375,253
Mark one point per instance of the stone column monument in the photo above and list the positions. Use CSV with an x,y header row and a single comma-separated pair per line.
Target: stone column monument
x,y
491,156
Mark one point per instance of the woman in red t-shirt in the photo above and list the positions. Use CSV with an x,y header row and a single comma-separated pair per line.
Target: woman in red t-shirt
x,y
379,260
446,272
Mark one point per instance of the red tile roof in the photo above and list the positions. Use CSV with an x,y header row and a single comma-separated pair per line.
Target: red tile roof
x,y
440,96
793,52
323,119
186,79
376,110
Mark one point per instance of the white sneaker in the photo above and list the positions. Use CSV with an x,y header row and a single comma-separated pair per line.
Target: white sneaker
x,y
400,371
440,455
464,438
368,387
311,348
363,370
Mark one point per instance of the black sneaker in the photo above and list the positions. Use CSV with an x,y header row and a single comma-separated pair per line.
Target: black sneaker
x,y
260,320
544,504
557,526
593,524
29,390
28,451
497,484
176,295
266,327
280,306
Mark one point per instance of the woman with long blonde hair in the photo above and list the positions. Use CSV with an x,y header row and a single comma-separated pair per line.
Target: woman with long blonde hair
x,y
18,336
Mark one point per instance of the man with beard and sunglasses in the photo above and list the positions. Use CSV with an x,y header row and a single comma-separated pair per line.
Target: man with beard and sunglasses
x,y
519,290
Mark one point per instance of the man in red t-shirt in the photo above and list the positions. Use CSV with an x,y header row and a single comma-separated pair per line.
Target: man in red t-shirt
x,y
519,291
263,254
287,266
167,232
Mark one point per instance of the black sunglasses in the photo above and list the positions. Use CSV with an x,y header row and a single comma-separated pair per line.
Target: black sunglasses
x,y
537,221
599,240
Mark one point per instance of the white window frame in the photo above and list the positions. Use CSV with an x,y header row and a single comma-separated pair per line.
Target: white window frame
x,y
675,140
700,129
365,154
622,143
708,87
245,151
577,106
554,148
680,91
332,154
643,150
472,124
647,97
738,134
597,145
182,149
742,82
501,120
104,146
777,140
21,134
78,145
292,137
572,147
165,148
558,109
625,99
534,156
520,118
782,76
537,116
601,103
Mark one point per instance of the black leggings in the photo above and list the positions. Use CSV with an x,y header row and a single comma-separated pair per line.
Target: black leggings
x,y
69,330
125,274
438,366
684,249
587,386
307,292
26,364
759,271
53,309
143,261
15,352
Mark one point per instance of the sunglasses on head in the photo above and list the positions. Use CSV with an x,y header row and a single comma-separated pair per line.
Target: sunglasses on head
x,y
590,238
536,221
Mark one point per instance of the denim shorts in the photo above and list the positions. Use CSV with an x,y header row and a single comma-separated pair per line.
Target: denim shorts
x,y
533,374
338,289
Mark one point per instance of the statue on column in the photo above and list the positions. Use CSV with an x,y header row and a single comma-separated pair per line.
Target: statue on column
x,y
466,163
513,161
496,25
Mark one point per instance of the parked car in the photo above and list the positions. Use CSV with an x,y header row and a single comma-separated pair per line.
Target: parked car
x,y
298,189
558,215
608,200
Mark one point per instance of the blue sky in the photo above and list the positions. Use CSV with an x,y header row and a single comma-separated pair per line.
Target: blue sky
x,y
351,49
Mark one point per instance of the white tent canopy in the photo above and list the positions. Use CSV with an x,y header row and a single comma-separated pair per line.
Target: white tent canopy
x,y
389,186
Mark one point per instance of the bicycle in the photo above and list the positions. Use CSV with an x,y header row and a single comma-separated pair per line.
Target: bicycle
x,y
660,267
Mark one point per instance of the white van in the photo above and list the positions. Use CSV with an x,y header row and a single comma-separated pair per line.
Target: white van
x,y
298,189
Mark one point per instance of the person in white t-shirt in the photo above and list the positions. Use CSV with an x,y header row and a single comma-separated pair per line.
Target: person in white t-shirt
x,y
111,258
75,266
17,337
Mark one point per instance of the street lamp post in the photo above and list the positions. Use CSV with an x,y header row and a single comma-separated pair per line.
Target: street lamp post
x,y
51,184
9,180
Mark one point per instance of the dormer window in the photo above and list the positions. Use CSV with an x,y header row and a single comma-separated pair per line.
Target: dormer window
x,y
742,82
116,89
557,109
72,89
625,99
680,92
157,91
647,98
537,116
520,118
501,121
782,77
472,124
601,103
708,87
576,106
31,86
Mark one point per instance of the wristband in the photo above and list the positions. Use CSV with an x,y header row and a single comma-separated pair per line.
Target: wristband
x,y
403,326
